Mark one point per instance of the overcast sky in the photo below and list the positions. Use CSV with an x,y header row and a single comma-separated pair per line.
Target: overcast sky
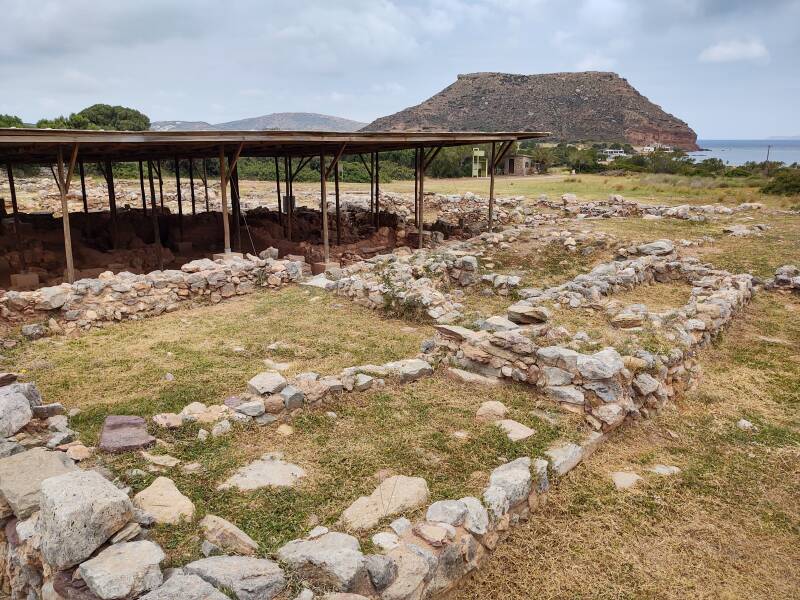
x,y
730,68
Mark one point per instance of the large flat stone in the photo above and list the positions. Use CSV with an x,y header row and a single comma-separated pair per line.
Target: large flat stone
x,y
393,496
564,457
79,511
268,471
15,411
185,587
409,369
21,477
123,433
227,536
514,478
333,560
515,430
124,570
163,500
248,578
265,383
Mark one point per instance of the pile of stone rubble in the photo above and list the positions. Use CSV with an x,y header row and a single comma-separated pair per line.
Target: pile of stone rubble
x,y
272,398
617,206
787,277
405,281
123,296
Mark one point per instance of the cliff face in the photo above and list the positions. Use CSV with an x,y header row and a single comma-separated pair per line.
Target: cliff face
x,y
573,106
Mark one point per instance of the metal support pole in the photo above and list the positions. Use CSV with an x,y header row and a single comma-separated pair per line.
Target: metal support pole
x,y
223,179
421,221
205,183
141,184
377,190
338,212
180,196
83,188
371,181
416,186
278,187
237,207
15,211
191,185
326,251
160,186
112,202
491,187
154,215
289,202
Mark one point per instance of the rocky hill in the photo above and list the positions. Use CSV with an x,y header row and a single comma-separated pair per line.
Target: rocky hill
x,y
289,121
590,106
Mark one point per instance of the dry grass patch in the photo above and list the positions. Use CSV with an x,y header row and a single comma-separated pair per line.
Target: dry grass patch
x,y
658,297
213,350
727,527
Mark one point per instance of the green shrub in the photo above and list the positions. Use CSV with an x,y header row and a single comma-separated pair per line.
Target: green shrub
x,y
785,183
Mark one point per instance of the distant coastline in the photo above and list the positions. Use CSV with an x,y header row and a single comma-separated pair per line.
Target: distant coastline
x,y
738,152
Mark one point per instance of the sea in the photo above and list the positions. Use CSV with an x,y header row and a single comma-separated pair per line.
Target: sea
x,y
738,152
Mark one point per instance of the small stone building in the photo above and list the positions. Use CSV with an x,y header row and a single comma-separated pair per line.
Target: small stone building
x,y
517,164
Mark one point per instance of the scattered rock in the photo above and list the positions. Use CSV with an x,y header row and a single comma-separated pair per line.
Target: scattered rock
x,y
185,587
123,433
22,474
124,570
79,511
221,428
227,536
477,518
665,470
624,480
491,410
382,570
160,460
268,471
248,578
452,512
164,501
394,495
266,383
15,412
284,430
333,560
514,430
472,378
745,425
564,457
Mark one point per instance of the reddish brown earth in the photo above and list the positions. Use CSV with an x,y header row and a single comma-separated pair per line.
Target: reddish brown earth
x,y
588,106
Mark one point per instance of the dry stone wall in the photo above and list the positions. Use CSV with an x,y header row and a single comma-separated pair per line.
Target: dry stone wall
x,y
125,296
607,386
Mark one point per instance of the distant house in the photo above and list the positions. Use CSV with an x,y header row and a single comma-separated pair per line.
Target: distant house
x,y
516,164
654,147
612,153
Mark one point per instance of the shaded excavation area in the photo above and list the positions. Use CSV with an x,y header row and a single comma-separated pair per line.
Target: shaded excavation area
x,y
80,228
